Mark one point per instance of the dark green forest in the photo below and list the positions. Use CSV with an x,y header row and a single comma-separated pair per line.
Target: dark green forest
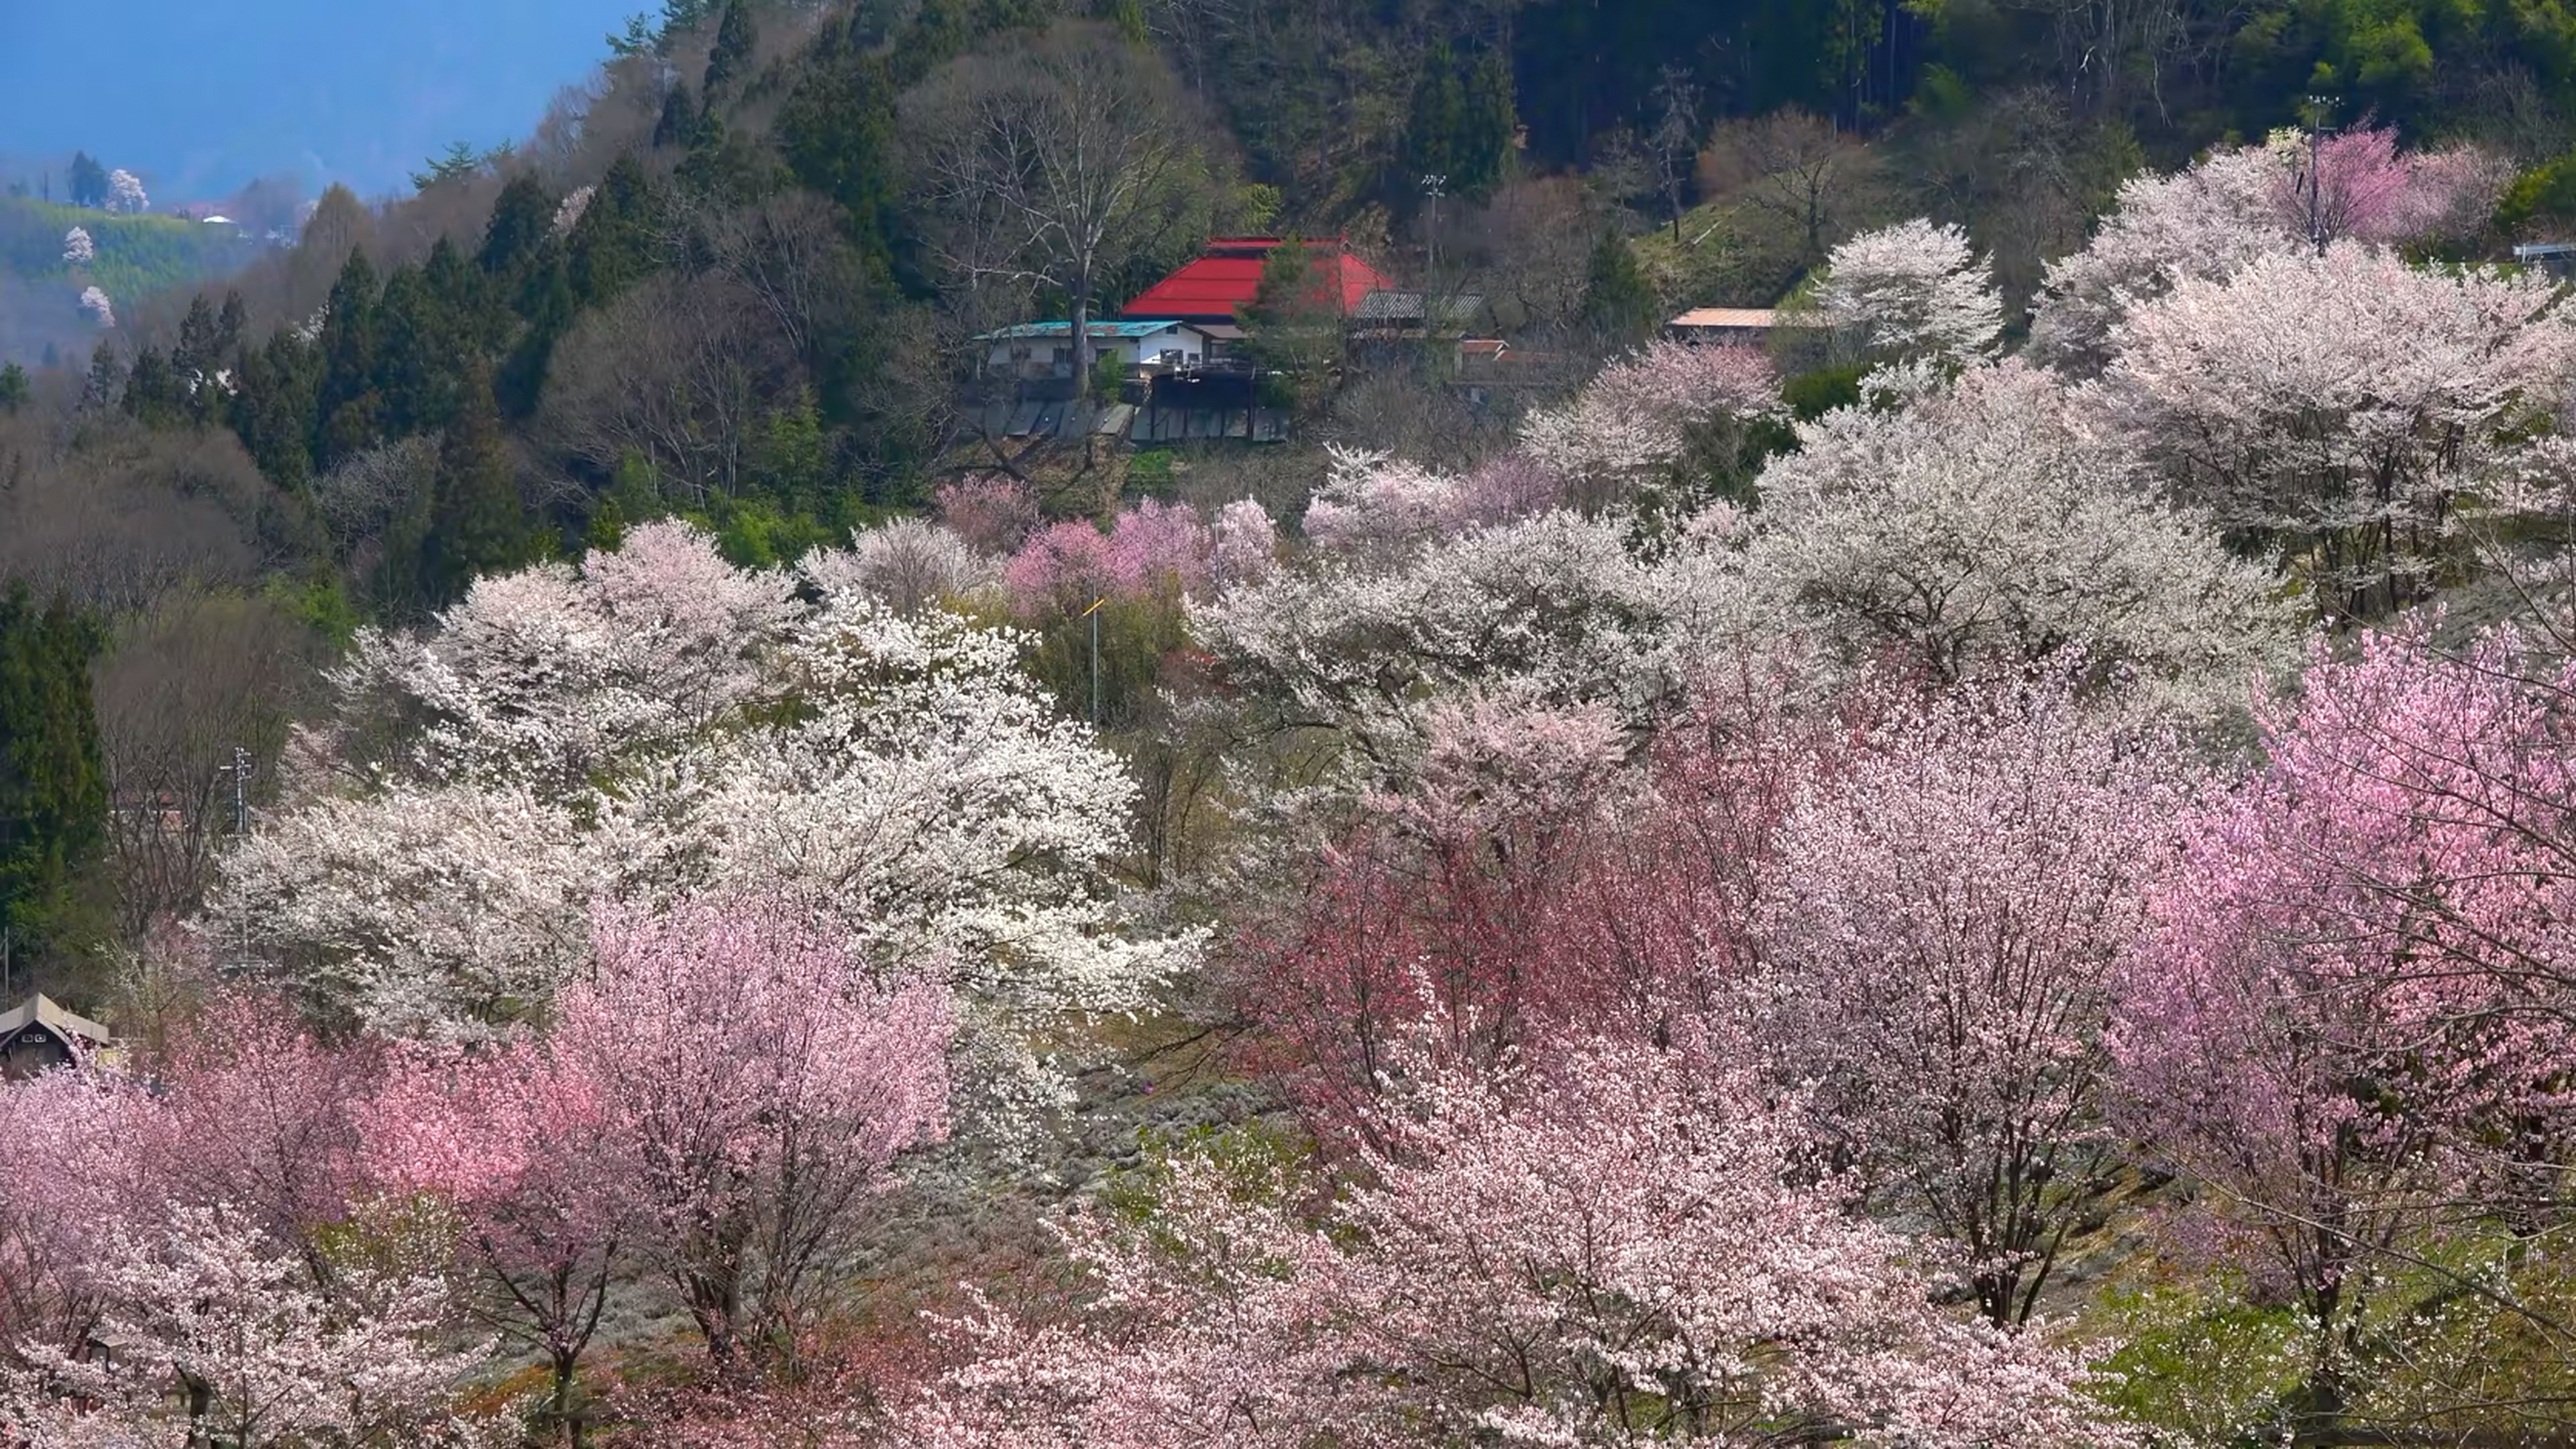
x,y
737,276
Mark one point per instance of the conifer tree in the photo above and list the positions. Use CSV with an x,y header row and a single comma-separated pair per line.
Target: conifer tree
x,y
13,387
476,523
53,786
612,243
1619,304
346,405
731,61
523,216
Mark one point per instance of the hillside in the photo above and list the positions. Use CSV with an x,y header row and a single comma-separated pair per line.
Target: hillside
x,y
1263,722
136,257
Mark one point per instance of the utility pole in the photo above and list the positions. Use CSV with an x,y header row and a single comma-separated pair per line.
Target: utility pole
x,y
2319,110
241,770
1093,614
1434,186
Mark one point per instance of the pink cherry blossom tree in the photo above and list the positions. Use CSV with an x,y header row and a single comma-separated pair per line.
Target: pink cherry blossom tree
x,y
993,513
220,1339
78,249
100,309
1061,571
1160,549
2348,1021
751,1089
67,1150
1659,417
1941,932
1244,547
1612,1253
2356,184
517,1148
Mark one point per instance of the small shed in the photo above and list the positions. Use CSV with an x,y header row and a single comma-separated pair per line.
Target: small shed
x,y
38,1035
1738,324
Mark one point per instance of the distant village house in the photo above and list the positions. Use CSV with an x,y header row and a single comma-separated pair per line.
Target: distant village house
x,y
1042,351
40,1035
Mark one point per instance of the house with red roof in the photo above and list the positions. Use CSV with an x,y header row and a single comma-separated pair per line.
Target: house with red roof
x,y
1228,275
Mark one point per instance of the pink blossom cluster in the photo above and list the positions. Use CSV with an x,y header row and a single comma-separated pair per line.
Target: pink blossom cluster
x,y
1154,549
713,1107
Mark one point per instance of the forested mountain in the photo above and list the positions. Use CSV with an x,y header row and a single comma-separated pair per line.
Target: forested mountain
x,y
1869,739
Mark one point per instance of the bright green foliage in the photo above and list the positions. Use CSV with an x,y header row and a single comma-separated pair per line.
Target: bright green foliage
x,y
53,786
1619,304
792,459
137,255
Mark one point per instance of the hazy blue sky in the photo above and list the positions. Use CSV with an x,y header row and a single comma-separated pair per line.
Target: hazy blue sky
x,y
200,96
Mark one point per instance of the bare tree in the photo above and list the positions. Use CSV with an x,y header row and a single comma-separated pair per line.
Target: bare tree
x,y
673,372
184,686
1790,163
1673,140
1048,163
2103,44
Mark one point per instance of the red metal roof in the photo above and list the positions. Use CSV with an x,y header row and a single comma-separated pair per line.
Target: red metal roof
x,y
1229,275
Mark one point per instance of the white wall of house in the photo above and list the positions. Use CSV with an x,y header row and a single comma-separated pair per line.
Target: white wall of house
x,y
1040,357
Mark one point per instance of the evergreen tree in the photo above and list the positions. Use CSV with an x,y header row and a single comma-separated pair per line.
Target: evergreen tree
x,y
13,387
791,460
273,408
53,785
1439,116
612,244
730,62
346,406
837,135
523,216
1293,326
1481,152
151,391
106,386
679,120
476,523
1619,305
88,181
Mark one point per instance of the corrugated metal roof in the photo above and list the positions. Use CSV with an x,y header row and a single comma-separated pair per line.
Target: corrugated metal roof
x,y
1230,276
41,1010
1747,318
1121,329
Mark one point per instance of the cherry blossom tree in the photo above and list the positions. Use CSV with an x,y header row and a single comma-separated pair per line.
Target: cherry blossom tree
x,y
2340,405
991,512
125,193
100,309
219,1340
1669,409
909,564
1610,1254
1551,608
66,1143
750,1096
2355,184
1244,547
517,1147
2348,1020
2212,219
661,725
1160,549
1989,526
1913,290
78,249
1528,885
1942,928
1061,571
